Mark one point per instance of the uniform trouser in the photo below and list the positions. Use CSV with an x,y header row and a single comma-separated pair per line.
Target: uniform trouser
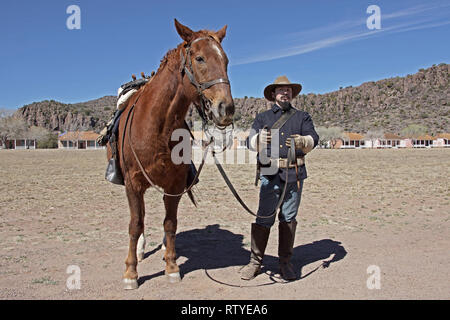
x,y
269,196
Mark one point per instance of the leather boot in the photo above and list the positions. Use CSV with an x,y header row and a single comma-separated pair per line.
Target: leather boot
x,y
259,238
285,248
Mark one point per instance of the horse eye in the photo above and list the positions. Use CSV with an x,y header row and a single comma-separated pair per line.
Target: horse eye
x,y
199,59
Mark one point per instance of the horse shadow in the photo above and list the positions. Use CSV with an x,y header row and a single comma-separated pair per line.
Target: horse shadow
x,y
215,248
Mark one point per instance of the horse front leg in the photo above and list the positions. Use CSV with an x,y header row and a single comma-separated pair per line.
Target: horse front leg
x,y
141,247
136,229
170,229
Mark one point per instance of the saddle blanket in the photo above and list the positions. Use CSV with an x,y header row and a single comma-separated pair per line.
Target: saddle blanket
x,y
127,90
121,102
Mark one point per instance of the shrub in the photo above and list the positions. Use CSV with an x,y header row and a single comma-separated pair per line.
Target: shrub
x,y
48,142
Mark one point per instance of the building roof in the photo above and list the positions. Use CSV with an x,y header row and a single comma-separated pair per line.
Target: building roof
x,y
443,135
353,136
425,137
391,136
78,135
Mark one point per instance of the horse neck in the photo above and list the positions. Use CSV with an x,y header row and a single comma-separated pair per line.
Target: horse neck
x,y
173,92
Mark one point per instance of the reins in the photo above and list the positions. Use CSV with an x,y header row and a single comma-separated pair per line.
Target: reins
x,y
238,198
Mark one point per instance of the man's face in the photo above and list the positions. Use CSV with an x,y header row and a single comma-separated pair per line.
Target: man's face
x,y
283,95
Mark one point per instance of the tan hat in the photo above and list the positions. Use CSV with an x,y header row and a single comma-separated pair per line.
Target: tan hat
x,y
281,82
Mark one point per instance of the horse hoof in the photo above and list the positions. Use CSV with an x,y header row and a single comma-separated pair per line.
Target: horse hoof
x,y
174,277
140,256
130,284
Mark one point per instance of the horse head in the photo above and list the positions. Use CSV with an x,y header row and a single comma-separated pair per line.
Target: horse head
x,y
205,63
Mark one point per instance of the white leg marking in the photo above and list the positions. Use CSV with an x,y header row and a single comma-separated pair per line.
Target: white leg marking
x,y
141,247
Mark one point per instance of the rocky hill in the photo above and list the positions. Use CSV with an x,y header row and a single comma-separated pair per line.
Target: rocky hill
x,y
391,104
58,116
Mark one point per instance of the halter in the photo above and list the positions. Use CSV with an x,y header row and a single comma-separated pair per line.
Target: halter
x,y
187,69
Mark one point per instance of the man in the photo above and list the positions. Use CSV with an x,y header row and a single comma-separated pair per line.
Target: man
x,y
294,126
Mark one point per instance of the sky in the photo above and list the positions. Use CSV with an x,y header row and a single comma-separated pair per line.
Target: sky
x,y
324,45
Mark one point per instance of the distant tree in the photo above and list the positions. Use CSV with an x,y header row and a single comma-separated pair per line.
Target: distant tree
x,y
4,113
49,141
373,135
324,136
335,134
11,128
41,135
413,131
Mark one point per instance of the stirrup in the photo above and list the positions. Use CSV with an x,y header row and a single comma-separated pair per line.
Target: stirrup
x,y
113,173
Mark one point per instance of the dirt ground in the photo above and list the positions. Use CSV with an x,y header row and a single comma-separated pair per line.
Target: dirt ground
x,y
361,210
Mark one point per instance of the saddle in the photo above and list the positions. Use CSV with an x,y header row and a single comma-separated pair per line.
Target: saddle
x,y
125,91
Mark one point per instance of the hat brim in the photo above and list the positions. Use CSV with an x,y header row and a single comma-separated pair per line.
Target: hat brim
x,y
296,88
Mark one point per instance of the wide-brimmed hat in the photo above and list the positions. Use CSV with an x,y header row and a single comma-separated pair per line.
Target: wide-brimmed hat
x,y
282,81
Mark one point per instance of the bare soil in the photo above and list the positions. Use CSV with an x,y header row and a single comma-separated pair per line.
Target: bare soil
x,y
360,208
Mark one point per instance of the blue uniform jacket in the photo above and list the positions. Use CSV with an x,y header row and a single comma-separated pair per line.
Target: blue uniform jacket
x,y
300,123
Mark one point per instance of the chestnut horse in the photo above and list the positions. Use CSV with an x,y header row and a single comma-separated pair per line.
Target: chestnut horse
x,y
194,72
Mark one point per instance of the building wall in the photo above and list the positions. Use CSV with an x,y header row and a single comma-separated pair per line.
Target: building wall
x,y
440,143
19,144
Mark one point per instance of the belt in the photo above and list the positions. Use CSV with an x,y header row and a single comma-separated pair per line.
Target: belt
x,y
283,161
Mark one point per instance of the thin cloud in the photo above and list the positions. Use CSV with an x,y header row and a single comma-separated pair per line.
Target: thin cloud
x,y
347,32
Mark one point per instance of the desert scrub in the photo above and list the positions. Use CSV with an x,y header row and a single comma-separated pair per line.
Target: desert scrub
x,y
45,280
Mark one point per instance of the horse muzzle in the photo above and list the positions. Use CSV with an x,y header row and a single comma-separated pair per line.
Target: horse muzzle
x,y
221,113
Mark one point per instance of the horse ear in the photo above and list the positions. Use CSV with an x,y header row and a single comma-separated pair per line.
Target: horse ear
x,y
221,33
184,32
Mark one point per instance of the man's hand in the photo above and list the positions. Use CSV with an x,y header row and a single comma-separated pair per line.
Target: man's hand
x,y
264,137
304,143
300,141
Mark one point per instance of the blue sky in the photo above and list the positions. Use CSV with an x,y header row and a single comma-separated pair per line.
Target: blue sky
x,y
323,45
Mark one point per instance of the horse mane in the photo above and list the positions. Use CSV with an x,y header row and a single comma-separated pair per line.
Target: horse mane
x,y
170,59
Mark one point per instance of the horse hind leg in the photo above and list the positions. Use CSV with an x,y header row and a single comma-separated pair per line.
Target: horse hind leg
x,y
136,230
170,228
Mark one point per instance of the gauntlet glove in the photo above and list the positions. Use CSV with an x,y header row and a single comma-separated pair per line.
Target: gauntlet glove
x,y
304,143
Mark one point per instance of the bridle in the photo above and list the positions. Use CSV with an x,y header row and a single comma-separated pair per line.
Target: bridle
x,y
186,68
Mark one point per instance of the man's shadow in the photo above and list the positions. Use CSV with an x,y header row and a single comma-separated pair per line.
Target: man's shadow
x,y
215,248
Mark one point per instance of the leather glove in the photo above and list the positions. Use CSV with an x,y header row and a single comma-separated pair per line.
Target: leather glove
x,y
265,137
304,143
300,141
